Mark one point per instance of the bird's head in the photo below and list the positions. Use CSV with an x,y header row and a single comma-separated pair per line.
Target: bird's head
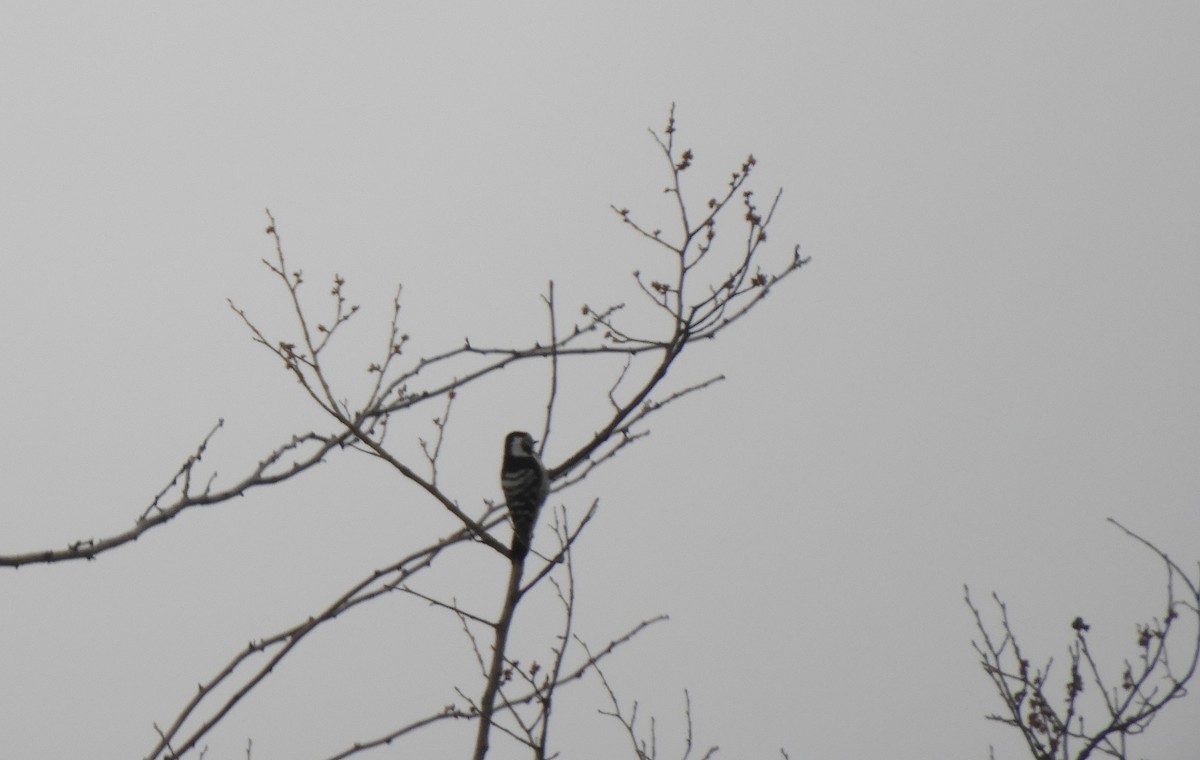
x,y
519,444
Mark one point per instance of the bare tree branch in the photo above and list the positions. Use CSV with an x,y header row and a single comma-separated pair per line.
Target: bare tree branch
x,y
450,711
694,302
311,448
549,299
1071,732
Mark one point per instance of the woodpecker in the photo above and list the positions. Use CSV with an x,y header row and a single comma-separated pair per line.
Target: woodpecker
x,y
525,483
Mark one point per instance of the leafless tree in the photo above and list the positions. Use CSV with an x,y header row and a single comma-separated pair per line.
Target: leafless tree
x,y
697,289
1057,722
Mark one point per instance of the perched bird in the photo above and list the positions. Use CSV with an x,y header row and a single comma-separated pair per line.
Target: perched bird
x,y
525,484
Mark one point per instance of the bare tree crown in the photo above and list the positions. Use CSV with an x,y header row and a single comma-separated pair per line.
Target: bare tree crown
x,y
704,284
1057,722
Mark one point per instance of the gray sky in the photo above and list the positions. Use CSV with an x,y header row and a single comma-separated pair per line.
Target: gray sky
x,y
995,348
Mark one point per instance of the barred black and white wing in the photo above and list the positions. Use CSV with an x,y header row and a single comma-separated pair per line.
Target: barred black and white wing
x,y
525,484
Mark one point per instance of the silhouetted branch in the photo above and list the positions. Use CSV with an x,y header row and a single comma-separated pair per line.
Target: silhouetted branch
x,y
647,748
311,447
691,306
472,713
553,395
1065,731
376,584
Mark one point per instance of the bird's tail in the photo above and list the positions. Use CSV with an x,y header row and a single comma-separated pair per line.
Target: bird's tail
x,y
522,533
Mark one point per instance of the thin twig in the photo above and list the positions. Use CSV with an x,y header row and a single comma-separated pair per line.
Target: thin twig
x,y
549,300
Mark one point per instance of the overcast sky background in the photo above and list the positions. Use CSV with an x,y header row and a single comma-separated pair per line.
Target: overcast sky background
x,y
996,346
